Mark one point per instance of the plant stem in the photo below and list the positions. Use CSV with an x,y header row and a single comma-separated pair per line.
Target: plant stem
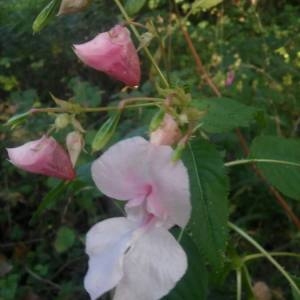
x,y
247,161
259,255
265,254
203,73
90,109
138,36
238,284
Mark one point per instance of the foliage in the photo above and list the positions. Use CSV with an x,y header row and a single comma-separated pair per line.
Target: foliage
x,y
248,50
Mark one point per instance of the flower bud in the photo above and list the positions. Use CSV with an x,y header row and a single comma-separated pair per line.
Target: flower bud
x,y
72,6
261,291
44,156
105,132
229,78
62,121
113,53
75,143
168,132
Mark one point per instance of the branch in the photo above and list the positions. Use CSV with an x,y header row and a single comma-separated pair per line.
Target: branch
x,y
204,74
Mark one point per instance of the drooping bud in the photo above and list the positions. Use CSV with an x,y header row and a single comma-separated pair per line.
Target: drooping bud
x,y
105,133
168,132
43,156
72,6
75,143
113,53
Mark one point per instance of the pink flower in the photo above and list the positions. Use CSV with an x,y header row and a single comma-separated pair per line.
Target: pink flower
x,y
44,156
168,132
113,53
136,254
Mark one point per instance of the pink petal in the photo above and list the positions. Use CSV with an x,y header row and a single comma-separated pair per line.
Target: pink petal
x,y
112,52
132,168
170,187
106,243
152,267
44,156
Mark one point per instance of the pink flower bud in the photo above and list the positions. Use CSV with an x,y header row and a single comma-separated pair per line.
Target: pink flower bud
x,y
168,132
44,156
74,142
113,53
230,78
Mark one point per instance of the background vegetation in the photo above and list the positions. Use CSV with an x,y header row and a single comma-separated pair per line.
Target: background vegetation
x,y
42,246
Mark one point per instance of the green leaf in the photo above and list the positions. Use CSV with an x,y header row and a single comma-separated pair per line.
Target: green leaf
x,y
50,199
296,295
209,188
285,178
46,15
204,4
224,114
132,7
65,239
193,285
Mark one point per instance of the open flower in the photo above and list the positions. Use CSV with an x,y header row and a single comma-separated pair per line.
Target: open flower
x,y
136,254
43,156
113,53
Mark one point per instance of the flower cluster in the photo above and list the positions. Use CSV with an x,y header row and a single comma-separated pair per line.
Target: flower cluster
x,y
135,254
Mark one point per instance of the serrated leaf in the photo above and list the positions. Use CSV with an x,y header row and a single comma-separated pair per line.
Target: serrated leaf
x,y
209,188
285,178
132,7
193,285
223,114
65,239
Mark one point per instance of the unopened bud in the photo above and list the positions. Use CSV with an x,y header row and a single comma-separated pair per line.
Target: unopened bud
x,y
75,143
105,132
168,132
261,291
62,121
43,156
72,6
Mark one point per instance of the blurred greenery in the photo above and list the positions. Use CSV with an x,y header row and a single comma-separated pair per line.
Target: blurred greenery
x,y
42,256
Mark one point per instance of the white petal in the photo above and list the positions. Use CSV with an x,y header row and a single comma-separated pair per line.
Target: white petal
x,y
121,171
106,243
152,267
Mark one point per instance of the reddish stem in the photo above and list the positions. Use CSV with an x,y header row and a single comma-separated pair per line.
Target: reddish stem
x,y
204,74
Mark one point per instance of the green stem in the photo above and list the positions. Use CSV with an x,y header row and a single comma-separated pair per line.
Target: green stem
x,y
259,255
138,36
238,284
265,254
249,161
89,109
